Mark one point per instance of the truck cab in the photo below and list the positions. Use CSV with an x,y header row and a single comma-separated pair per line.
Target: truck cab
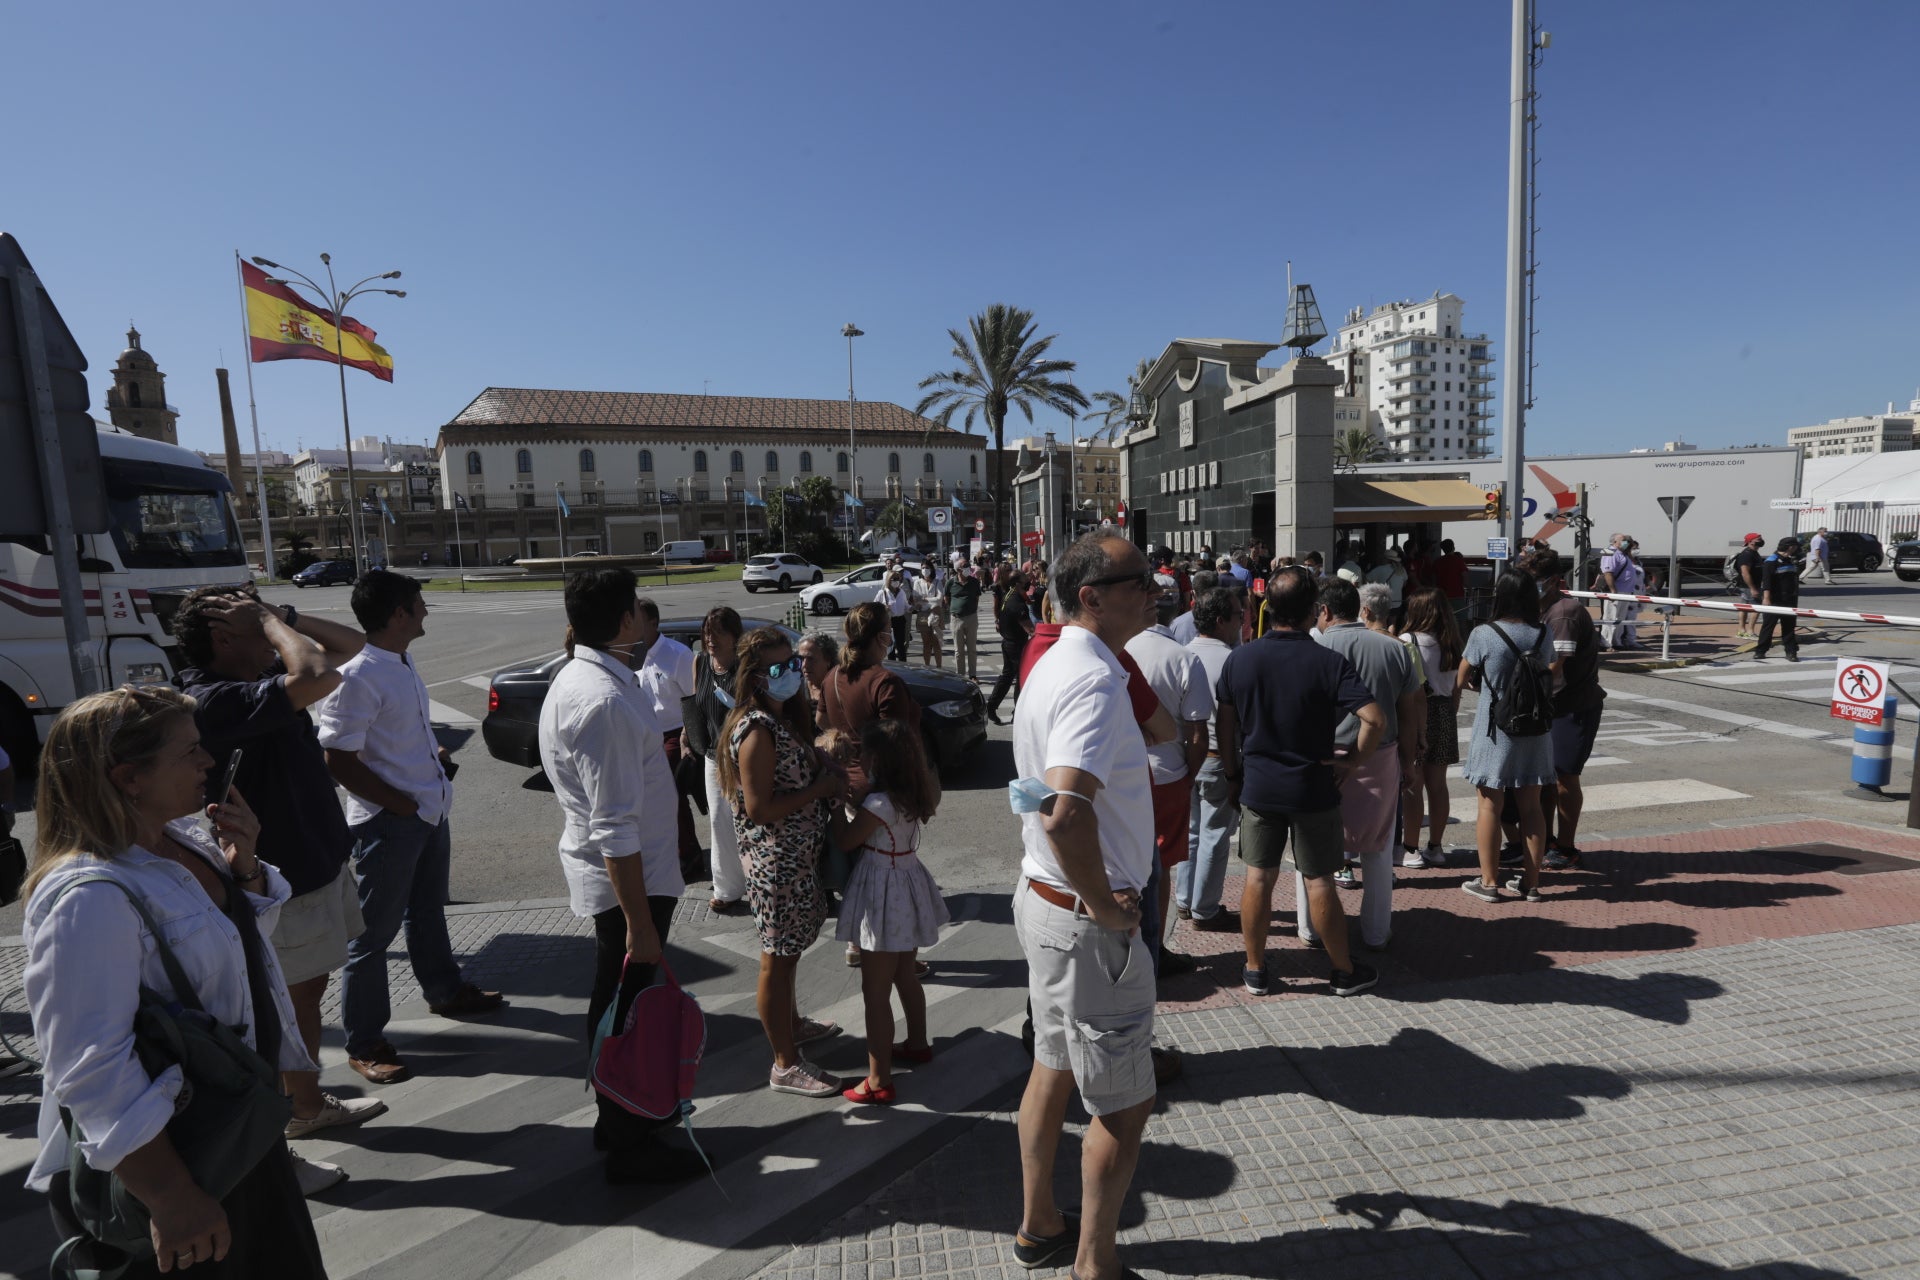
x,y
171,529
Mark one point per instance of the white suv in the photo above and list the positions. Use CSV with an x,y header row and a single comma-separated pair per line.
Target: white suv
x,y
780,571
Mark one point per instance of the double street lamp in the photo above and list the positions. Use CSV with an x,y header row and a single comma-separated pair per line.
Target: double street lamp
x,y
849,332
337,303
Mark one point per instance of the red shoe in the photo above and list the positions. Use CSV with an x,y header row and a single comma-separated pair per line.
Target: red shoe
x,y
881,1097
903,1054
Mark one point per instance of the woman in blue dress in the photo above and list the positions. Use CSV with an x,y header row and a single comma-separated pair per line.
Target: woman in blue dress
x,y
1495,761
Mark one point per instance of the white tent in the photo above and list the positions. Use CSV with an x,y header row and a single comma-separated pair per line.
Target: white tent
x,y
1877,493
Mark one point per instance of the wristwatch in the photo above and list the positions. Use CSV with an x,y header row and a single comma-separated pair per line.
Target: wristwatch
x,y
291,617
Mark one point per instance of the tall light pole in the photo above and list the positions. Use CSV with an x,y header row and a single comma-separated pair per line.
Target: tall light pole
x,y
1519,321
337,301
849,332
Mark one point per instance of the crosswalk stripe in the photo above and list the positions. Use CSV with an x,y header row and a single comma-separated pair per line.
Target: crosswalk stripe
x,y
441,713
1654,791
1777,727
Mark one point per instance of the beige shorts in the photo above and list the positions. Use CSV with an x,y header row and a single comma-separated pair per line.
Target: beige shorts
x,y
1092,992
311,938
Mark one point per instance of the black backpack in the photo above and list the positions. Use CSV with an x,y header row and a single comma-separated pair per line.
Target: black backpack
x,y
1523,703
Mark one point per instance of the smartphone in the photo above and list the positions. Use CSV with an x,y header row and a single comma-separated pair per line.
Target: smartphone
x,y
226,781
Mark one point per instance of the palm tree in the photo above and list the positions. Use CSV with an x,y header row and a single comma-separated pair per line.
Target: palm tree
x,y
1115,405
1002,365
1356,445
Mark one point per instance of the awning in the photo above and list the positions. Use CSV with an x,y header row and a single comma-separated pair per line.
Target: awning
x,y
1361,501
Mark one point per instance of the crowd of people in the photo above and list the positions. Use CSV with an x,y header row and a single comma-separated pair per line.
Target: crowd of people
x,y
1159,709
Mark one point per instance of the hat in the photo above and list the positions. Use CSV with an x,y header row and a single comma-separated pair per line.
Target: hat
x,y
1752,538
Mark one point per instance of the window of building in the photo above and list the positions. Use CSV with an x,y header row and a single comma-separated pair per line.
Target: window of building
x,y
973,466
700,460
841,465
893,464
526,500
473,462
586,460
736,461
806,462
523,462
926,464
646,461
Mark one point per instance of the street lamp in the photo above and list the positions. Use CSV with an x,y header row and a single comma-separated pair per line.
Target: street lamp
x,y
338,303
849,332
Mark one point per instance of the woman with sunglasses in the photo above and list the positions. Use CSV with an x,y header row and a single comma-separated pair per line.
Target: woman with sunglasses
x,y
779,786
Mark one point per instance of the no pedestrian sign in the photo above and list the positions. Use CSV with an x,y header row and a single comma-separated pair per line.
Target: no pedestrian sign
x,y
1860,691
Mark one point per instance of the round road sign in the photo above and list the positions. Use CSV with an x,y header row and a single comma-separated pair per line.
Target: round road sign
x,y
979,526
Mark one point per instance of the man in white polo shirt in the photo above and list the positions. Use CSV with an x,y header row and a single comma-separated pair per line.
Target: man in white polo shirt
x,y
667,677
1088,856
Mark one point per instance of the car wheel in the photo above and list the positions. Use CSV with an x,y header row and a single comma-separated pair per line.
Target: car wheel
x,y
751,588
301,585
825,606
1869,563
786,583
1907,575
818,578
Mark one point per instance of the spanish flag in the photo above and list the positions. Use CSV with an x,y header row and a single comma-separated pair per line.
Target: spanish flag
x,y
281,325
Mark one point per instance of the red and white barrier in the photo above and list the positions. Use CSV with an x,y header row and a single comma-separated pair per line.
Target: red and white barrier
x,y
1735,606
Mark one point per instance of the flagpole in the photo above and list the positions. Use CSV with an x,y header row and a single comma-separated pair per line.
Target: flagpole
x,y
459,568
253,412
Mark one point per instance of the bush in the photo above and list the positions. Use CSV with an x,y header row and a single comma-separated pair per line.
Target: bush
x,y
821,548
295,562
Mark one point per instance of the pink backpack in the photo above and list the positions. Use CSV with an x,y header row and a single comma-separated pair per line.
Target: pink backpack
x,y
649,1065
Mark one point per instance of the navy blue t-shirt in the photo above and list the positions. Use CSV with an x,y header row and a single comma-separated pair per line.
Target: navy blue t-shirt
x,y
283,774
1289,694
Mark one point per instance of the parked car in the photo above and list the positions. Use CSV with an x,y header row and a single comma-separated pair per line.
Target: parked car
x,y
325,573
780,570
1849,550
849,589
1906,561
953,713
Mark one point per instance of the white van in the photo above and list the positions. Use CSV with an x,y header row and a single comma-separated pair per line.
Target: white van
x,y
685,551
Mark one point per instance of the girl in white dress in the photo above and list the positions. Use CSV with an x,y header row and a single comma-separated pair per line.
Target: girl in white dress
x,y
892,907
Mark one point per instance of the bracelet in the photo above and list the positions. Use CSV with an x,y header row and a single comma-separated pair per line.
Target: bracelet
x,y
259,873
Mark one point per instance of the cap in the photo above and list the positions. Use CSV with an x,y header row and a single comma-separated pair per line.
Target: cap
x,y
1752,538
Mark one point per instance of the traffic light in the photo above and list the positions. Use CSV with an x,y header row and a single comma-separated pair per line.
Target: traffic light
x,y
1492,508
22,510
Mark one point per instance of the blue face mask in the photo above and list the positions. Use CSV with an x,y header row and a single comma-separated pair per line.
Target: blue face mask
x,y
784,685
1028,795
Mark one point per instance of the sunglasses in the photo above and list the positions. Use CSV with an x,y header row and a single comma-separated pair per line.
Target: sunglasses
x,y
1142,581
786,665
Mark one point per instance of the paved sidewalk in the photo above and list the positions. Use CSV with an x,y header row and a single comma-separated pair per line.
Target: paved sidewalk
x,y
1696,1058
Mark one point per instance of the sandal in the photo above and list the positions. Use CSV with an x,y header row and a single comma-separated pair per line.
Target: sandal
x,y
864,1092
903,1054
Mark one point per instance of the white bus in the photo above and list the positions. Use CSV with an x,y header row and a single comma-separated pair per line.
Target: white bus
x,y
171,529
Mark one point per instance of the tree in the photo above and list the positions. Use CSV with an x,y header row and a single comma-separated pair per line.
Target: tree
x,y
901,519
1116,405
1356,445
1001,366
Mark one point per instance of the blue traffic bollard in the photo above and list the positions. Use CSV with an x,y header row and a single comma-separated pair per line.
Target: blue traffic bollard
x,y
1873,750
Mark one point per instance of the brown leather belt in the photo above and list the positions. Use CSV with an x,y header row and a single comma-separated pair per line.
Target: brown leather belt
x,y
1048,893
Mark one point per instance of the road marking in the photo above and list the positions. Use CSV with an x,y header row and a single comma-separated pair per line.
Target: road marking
x,y
441,713
1777,727
479,682
1593,762
498,666
1640,795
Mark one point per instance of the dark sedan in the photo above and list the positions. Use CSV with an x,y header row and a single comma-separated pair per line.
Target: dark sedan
x,y
953,716
1849,550
325,573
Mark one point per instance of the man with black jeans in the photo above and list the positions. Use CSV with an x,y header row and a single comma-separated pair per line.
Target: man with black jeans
x,y
1780,585
378,736
600,744
1015,622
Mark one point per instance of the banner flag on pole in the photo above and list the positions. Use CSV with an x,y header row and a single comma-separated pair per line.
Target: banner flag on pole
x,y
753,500
561,498
386,510
281,325
853,502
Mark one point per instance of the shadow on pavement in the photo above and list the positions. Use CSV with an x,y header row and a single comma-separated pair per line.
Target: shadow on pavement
x,y
987,766
1449,1237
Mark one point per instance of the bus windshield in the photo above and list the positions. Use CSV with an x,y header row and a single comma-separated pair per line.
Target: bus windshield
x,y
165,516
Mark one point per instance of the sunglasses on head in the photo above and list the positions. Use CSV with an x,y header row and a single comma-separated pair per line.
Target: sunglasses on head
x,y
1142,581
777,669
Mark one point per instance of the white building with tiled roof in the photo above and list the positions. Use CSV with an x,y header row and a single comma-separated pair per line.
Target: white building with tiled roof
x,y
688,459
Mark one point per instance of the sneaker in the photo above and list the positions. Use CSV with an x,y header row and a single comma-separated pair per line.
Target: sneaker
x,y
1565,859
1048,1250
1512,855
334,1113
1255,981
1345,879
1436,856
805,1079
1221,921
1182,910
1355,980
1793,657
1518,885
806,1031
1412,859
1481,890
853,955
1312,942
316,1176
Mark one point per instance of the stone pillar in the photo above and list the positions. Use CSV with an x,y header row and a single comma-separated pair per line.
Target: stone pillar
x,y
1303,458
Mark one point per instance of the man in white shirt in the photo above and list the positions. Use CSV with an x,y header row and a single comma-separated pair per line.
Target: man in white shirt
x,y
600,743
1199,881
896,592
666,677
1088,856
1817,558
1181,684
380,746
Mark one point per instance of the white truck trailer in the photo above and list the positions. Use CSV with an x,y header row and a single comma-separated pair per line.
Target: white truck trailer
x,y
171,529
1732,491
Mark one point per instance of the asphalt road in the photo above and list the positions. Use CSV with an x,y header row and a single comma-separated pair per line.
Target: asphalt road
x,y
1696,746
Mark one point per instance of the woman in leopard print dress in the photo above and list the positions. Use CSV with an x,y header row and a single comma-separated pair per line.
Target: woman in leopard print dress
x,y
779,786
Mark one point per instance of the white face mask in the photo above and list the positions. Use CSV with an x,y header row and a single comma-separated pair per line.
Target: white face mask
x,y
1030,795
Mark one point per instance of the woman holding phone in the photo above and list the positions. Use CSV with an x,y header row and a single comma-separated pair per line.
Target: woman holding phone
x,y
122,783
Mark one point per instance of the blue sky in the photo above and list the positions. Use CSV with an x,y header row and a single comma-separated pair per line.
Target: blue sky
x,y
686,197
